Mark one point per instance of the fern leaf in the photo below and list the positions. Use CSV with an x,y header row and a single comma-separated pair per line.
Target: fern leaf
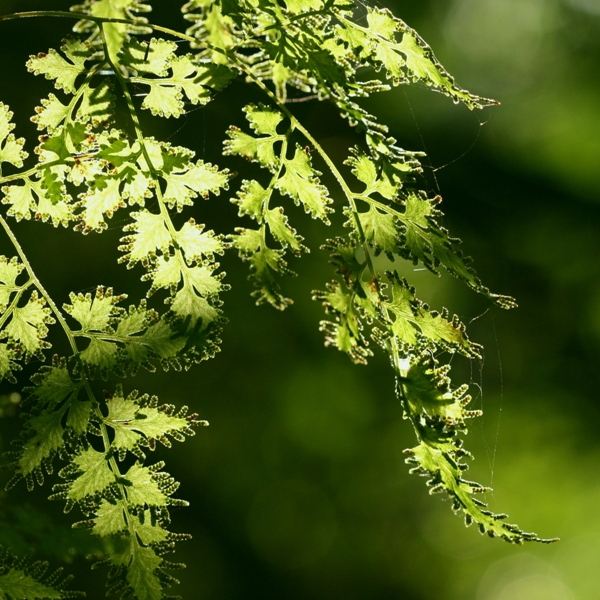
x,y
64,72
141,575
438,415
153,56
414,322
429,243
186,183
97,104
8,363
9,272
28,327
265,262
122,340
301,182
52,385
197,81
264,122
97,314
151,234
22,578
116,34
197,243
384,175
406,59
90,477
11,148
101,201
32,199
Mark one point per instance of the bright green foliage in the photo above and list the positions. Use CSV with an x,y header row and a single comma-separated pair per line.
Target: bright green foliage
x,y
130,506
197,81
92,161
139,422
11,148
24,320
23,579
438,414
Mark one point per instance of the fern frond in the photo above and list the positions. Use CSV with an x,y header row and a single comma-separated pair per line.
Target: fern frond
x,y
24,578
438,415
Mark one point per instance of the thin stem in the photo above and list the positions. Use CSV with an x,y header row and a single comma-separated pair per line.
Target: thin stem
x,y
39,286
141,140
71,337
15,301
114,467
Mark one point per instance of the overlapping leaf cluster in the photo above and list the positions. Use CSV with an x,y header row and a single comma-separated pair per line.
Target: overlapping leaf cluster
x,y
90,164
292,175
130,505
320,49
88,168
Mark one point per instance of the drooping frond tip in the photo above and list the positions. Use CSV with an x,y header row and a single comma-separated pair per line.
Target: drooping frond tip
x,y
438,415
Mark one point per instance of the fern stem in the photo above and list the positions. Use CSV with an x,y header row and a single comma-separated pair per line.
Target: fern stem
x,y
114,467
39,286
9,309
141,140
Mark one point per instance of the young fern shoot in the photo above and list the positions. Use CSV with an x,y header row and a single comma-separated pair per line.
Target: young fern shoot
x,y
88,167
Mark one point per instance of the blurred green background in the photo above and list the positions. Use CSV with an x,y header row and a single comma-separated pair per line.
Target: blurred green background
x,y
298,488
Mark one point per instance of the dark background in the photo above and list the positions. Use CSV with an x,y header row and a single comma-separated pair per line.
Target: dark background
x,y
298,488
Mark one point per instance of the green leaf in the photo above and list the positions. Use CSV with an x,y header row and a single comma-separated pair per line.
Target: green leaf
x,y
263,121
198,81
188,306
141,574
53,385
109,518
97,104
8,363
46,441
301,182
50,114
102,200
100,354
138,421
383,175
151,234
9,271
381,230
144,488
407,59
33,198
94,475
426,241
346,332
54,66
11,148
283,232
23,579
95,314
438,414
28,326
79,415
198,180
264,264
115,34
198,244
153,56
251,197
